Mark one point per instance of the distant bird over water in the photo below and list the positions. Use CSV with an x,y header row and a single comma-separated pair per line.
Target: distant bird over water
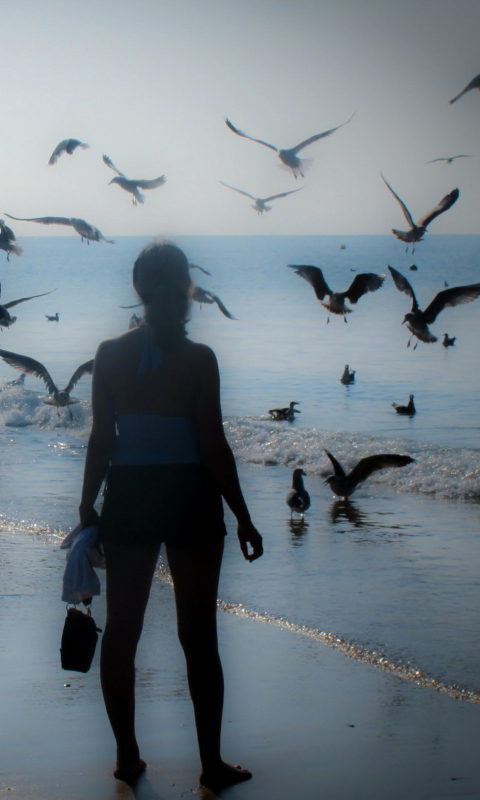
x,y
287,414
133,185
8,241
474,84
288,157
54,318
448,341
5,319
348,375
408,410
66,146
418,321
261,203
448,160
84,229
362,283
344,485
297,498
58,397
418,229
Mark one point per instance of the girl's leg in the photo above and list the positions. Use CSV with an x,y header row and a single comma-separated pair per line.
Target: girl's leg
x,y
195,573
130,571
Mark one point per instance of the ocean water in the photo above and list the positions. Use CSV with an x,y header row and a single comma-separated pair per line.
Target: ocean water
x,y
391,575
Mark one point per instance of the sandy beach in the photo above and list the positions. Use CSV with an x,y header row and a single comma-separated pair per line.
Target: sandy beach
x,y
308,721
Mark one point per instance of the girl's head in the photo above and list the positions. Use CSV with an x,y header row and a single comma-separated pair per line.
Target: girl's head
x,y
161,279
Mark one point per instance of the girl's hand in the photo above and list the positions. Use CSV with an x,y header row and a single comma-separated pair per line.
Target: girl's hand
x,y
248,535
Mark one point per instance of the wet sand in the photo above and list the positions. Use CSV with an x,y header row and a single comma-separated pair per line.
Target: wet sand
x,y
309,722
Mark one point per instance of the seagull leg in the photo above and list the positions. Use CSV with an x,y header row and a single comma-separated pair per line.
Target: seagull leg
x,y
8,256
416,345
408,343
70,412
345,318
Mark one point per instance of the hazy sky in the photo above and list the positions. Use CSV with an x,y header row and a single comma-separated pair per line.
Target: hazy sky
x,y
149,83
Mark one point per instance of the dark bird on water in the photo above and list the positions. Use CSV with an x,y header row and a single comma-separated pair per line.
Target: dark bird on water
x,y
54,318
362,283
417,229
348,375
448,160
8,241
408,410
413,268
58,397
84,229
418,321
132,185
287,414
344,485
474,84
5,319
66,146
260,202
288,157
448,341
297,498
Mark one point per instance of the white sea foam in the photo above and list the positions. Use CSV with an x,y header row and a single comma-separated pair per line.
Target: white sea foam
x,y
20,408
445,471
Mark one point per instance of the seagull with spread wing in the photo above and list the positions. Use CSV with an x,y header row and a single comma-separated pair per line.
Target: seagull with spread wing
x,y
418,229
8,241
418,321
66,146
288,157
260,202
474,84
131,185
344,485
84,229
204,296
448,160
287,414
362,283
58,397
5,319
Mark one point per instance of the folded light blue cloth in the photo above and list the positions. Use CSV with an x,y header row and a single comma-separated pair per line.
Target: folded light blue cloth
x,y
80,581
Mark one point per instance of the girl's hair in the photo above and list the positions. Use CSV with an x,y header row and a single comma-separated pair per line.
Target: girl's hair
x,y
162,280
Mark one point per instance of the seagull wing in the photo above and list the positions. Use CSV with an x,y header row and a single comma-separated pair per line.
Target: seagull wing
x,y
43,220
72,144
444,204
362,283
195,266
153,184
58,152
198,294
240,191
108,161
317,136
24,299
366,466
216,299
405,210
30,366
313,276
404,286
339,471
436,159
456,296
474,84
284,194
241,133
135,305
84,368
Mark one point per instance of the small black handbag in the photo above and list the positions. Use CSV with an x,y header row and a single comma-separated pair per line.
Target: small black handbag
x,y
79,639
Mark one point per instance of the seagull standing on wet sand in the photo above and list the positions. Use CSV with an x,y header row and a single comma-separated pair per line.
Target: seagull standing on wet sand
x,y
66,146
58,397
418,229
8,241
287,414
131,185
5,319
362,283
418,321
288,157
260,202
408,410
84,229
297,498
474,84
344,485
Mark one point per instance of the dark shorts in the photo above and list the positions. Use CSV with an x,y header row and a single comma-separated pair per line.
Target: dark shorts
x,y
179,504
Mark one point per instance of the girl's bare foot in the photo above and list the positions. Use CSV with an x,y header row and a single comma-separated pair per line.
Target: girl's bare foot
x,y
131,771
224,775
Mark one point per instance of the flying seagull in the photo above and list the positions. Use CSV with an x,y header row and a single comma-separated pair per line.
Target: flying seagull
x,y
8,241
200,296
84,229
417,230
288,157
298,498
408,410
5,319
131,185
66,146
362,283
287,414
195,266
448,160
474,84
260,202
58,397
344,485
417,320
448,341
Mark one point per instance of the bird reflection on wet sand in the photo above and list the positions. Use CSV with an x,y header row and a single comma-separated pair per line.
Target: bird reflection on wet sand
x,y
347,511
298,527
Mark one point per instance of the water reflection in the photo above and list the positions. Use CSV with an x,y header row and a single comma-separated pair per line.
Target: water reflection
x,y
298,528
346,511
